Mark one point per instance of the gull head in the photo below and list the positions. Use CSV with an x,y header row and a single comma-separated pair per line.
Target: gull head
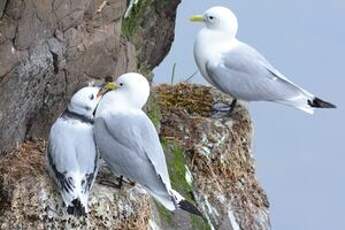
x,y
136,88
219,19
85,101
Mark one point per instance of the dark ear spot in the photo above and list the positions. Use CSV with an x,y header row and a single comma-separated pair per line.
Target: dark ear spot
x,y
92,97
88,108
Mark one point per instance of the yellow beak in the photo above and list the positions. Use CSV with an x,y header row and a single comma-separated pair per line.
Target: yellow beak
x,y
197,18
106,88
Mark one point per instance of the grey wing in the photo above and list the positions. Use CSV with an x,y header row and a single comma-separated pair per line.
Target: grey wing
x,y
88,159
246,74
64,182
131,146
71,150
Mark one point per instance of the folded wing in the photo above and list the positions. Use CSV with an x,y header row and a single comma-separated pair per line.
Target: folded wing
x,y
130,144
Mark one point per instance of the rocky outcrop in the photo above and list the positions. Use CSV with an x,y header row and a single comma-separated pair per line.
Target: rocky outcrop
x,y
49,47
210,157
209,160
28,198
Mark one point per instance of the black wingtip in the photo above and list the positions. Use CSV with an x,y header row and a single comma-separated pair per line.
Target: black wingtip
x,y
189,207
77,209
318,103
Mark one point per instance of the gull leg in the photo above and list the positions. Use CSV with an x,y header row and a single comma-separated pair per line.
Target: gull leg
x,y
120,180
109,184
126,181
221,107
131,183
232,105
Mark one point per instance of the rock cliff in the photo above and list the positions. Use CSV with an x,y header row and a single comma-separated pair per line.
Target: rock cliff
x,y
49,47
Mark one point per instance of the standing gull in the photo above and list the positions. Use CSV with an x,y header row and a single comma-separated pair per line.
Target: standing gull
x,y
237,69
128,141
72,155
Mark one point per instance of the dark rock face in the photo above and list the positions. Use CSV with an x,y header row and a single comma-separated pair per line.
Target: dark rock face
x,y
140,29
49,47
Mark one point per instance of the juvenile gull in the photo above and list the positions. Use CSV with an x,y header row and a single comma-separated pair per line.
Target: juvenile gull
x,y
72,155
237,69
128,141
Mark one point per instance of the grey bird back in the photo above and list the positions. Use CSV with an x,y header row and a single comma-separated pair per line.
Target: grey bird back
x,y
130,145
246,74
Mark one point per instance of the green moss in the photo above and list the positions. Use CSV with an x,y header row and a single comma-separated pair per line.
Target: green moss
x,y
131,23
145,70
164,214
200,223
153,110
176,167
177,171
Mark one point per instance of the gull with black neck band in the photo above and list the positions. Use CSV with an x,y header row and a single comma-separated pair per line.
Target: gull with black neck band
x,y
72,155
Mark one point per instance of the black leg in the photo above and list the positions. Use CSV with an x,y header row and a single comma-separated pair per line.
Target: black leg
x,y
120,180
225,108
232,105
131,183
109,184
118,185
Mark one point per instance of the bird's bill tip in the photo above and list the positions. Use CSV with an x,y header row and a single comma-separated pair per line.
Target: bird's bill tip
x,y
197,18
111,86
106,88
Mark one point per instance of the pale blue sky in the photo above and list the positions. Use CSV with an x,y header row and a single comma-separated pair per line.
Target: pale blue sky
x,y
299,158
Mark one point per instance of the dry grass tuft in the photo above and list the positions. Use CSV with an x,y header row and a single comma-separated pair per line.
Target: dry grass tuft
x,y
26,160
191,98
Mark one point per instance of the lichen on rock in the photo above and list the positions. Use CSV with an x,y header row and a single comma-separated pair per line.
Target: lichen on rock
x,y
217,151
29,198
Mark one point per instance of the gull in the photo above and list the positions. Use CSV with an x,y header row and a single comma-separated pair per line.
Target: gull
x,y
72,155
129,143
239,70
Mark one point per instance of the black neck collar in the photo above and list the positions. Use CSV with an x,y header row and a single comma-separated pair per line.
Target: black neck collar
x,y
76,116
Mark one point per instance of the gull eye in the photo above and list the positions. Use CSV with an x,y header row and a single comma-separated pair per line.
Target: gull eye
x,y
92,97
210,17
121,84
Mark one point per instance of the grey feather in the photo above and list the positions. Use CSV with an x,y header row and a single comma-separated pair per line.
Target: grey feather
x,y
71,150
130,145
246,74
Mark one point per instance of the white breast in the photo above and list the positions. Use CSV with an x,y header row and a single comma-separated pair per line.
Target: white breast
x,y
209,47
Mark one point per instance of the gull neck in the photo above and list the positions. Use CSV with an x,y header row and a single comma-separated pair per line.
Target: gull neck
x,y
76,116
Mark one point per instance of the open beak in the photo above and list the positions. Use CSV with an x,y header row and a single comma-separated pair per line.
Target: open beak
x,y
106,88
197,18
